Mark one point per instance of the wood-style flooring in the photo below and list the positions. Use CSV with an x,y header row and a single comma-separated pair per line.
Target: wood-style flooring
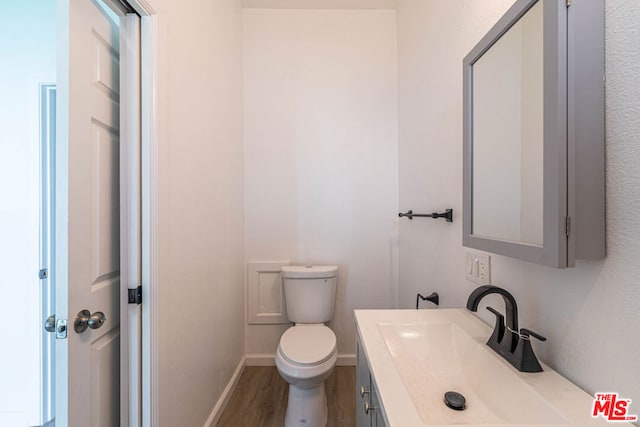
x,y
260,399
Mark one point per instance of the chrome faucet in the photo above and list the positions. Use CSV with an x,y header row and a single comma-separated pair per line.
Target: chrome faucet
x,y
507,340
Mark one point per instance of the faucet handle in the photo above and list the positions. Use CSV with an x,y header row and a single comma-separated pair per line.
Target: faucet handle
x,y
524,359
496,312
498,330
526,334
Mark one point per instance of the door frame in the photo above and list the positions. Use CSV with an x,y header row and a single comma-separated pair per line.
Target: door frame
x,y
48,93
149,207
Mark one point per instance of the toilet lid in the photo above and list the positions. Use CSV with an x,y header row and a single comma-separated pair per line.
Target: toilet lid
x,y
308,344
309,271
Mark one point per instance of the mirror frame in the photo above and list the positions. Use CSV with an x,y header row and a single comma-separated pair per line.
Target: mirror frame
x,y
554,250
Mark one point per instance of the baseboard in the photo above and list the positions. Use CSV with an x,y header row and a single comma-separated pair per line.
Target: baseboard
x,y
261,359
346,360
215,415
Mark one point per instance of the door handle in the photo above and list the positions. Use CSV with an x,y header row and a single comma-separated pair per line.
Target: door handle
x,y
81,322
96,320
84,319
50,323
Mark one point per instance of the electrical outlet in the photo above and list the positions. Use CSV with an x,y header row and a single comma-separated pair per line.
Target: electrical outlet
x,y
478,268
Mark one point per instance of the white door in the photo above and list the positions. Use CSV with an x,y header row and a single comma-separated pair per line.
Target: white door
x,y
87,217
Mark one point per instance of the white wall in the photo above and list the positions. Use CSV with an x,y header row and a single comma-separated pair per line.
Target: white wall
x,y
590,313
320,135
433,37
28,50
201,273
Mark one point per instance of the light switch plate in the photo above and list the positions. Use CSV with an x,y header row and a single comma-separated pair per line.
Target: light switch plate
x,y
478,268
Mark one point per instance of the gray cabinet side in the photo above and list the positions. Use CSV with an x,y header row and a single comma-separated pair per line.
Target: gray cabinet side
x,y
586,130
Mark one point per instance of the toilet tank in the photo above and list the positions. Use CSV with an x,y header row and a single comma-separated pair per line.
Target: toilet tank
x,y
310,292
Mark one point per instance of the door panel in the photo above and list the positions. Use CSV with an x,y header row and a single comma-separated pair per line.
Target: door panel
x,y
105,358
89,83
105,212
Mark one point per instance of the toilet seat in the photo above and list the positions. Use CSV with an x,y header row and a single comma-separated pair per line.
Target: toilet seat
x,y
307,345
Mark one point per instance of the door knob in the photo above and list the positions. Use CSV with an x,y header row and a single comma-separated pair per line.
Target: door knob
x,y
84,319
97,319
81,322
50,323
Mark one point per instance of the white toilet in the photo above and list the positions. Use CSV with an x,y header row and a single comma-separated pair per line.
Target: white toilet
x,y
307,351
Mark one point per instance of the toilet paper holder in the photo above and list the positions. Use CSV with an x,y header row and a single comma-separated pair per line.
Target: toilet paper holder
x,y
434,298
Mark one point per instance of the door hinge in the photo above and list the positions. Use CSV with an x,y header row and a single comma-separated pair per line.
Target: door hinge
x,y
43,273
135,295
568,3
568,225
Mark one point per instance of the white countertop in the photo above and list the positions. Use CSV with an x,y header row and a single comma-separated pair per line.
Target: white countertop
x,y
572,403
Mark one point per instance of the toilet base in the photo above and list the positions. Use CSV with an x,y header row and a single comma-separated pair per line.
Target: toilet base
x,y
307,407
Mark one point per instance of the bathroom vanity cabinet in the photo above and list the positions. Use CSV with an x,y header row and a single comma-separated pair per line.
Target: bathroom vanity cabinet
x,y
534,166
368,408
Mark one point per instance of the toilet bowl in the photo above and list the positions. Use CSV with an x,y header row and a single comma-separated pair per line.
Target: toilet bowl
x,y
305,358
307,351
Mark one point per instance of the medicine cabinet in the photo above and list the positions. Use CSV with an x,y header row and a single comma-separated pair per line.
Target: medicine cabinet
x,y
534,134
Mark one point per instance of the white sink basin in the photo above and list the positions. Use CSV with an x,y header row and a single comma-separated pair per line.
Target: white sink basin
x,y
451,360
415,356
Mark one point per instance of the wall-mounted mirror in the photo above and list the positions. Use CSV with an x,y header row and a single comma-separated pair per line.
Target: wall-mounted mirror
x,y
525,141
507,134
